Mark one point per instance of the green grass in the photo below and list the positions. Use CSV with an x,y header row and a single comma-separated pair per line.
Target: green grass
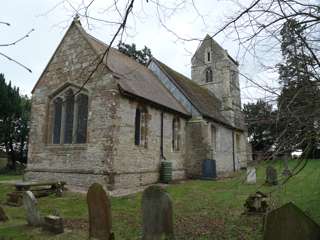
x,y
202,209
10,176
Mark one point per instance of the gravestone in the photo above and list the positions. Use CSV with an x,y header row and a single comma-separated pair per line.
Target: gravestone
x,y
271,176
53,224
251,175
256,203
99,207
290,222
157,214
30,204
3,216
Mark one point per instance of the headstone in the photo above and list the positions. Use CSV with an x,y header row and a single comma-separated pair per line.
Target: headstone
x,y
14,199
251,175
290,222
271,176
3,216
99,207
157,214
53,224
30,204
256,203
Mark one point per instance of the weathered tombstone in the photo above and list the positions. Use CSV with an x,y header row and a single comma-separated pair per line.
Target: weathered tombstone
x,y
157,214
251,175
53,224
271,176
290,222
3,216
30,204
256,203
14,199
99,207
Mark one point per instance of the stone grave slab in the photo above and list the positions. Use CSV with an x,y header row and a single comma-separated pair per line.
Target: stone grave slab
x,y
157,215
30,204
290,222
271,176
53,224
99,207
251,175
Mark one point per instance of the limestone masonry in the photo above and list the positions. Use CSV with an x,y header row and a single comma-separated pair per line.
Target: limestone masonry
x,y
116,129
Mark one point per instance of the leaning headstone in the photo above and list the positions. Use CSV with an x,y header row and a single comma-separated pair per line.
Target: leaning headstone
x,y
99,207
271,176
53,224
251,175
30,204
3,216
290,222
157,214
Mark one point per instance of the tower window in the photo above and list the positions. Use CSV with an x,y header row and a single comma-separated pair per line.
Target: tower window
x,y
208,56
209,75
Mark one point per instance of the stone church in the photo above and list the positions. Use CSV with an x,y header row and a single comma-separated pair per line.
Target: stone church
x,y
116,127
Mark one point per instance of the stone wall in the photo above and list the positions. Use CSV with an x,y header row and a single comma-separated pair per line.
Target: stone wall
x,y
73,163
225,84
225,150
138,165
110,155
199,147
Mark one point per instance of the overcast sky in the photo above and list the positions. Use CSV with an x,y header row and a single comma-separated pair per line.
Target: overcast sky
x,y
50,19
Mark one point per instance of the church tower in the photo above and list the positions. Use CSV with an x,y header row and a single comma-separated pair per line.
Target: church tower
x,y
213,68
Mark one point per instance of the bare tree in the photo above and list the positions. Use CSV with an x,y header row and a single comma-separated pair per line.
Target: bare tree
x,y
256,26
14,42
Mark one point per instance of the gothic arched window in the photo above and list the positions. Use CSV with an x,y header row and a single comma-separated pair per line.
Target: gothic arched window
x,y
140,136
209,75
57,109
70,118
176,134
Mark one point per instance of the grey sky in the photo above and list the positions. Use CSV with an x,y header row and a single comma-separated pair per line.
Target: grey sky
x,y
50,20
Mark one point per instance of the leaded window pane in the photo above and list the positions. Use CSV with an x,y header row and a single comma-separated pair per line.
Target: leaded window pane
x,y
57,120
82,101
137,126
69,115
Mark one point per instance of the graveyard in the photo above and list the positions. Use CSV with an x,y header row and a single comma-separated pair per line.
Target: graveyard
x,y
201,209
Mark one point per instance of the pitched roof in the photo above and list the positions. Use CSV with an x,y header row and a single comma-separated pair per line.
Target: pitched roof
x,y
209,38
133,78
204,100
137,79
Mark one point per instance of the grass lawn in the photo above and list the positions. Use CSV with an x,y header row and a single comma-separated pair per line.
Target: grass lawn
x,y
202,209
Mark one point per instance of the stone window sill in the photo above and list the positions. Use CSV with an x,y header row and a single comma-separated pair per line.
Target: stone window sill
x,y
78,146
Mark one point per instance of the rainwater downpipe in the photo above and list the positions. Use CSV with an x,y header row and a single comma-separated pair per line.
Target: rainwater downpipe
x,y
162,157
